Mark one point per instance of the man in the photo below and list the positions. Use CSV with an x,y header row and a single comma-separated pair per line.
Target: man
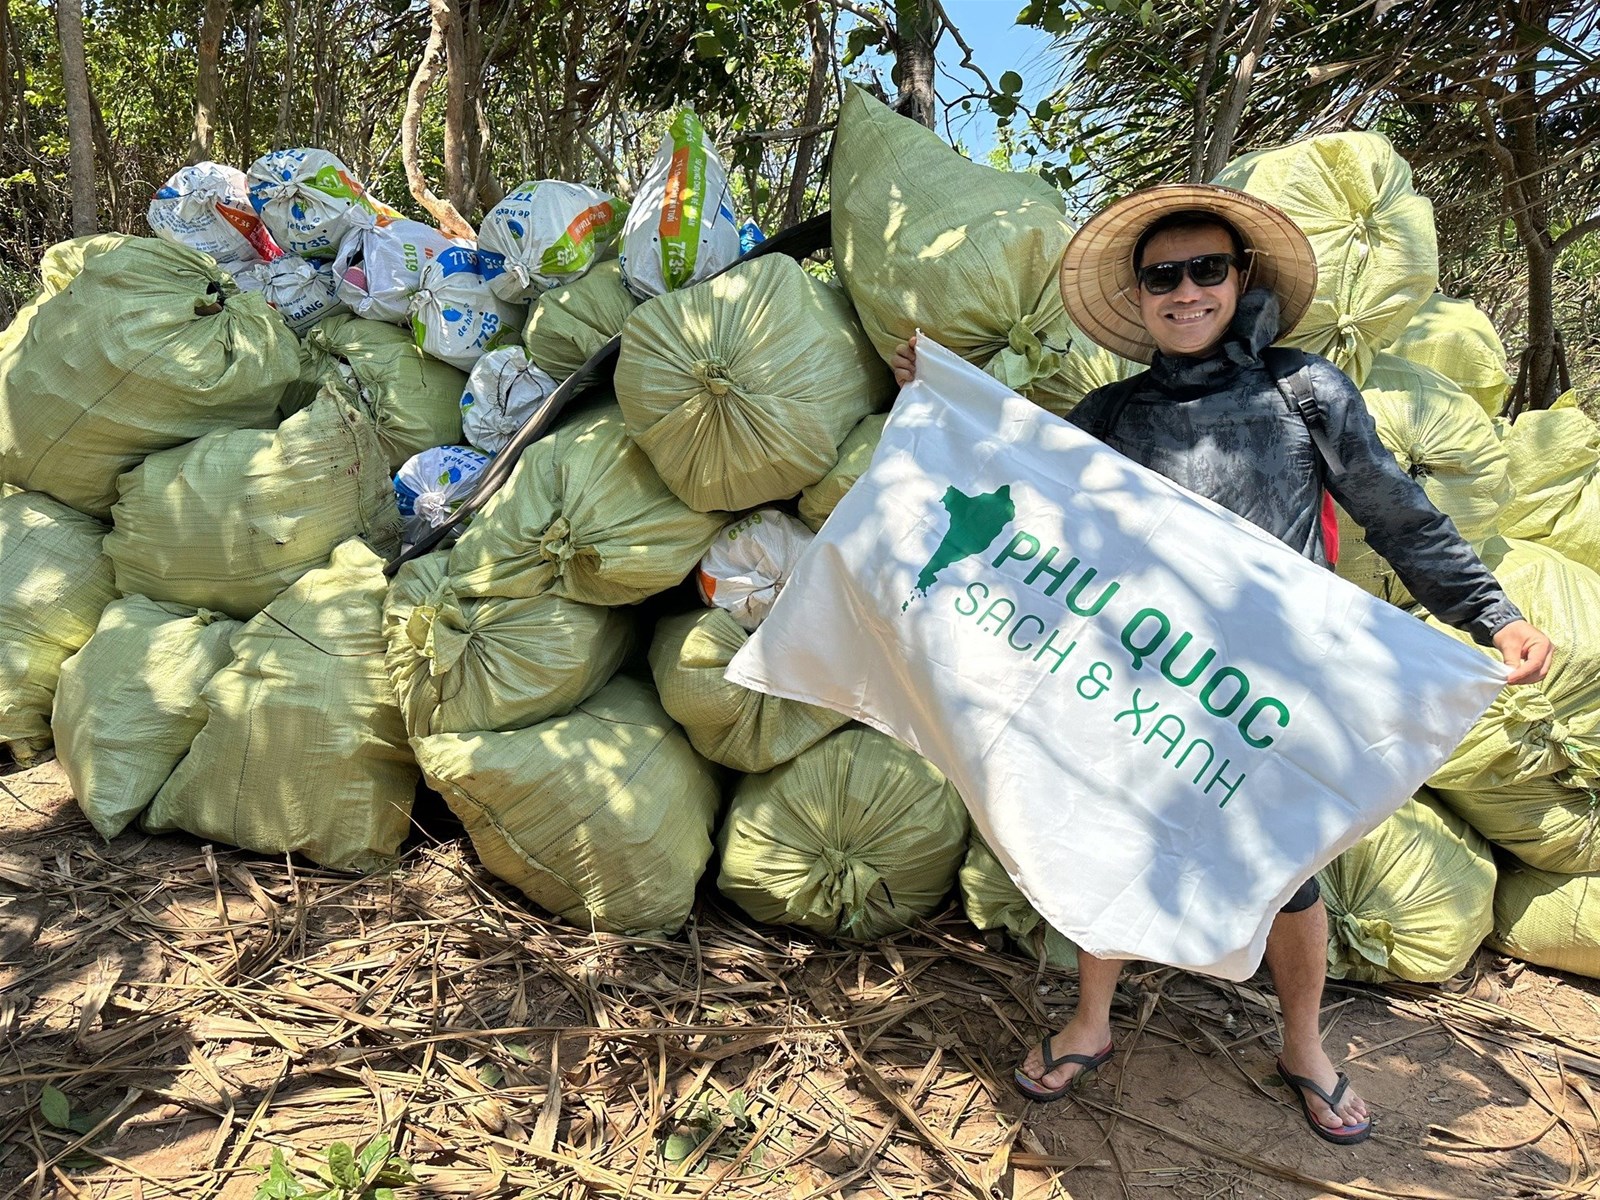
x,y
1198,281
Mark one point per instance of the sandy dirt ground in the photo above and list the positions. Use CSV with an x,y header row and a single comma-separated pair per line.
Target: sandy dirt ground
x,y
171,1015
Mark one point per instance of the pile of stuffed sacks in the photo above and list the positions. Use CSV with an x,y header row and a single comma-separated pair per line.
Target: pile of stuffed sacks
x,y
213,441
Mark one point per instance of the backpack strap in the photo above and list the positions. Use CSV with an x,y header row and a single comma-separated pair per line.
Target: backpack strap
x,y
1108,417
1292,374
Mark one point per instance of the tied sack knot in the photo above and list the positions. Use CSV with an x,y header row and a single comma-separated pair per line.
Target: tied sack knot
x,y
713,377
555,543
1357,941
1025,360
438,630
835,890
435,507
1565,748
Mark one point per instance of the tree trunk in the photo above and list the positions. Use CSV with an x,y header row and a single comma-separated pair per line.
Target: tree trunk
x,y
280,137
1543,378
105,154
1226,125
80,127
1522,165
245,131
816,92
913,47
208,80
444,213
8,53
457,175
1202,94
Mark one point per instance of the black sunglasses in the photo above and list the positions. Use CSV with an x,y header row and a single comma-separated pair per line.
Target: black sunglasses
x,y
1207,270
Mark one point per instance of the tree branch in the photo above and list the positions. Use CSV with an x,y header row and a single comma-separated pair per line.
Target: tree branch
x,y
1202,92
781,135
966,50
1227,122
451,223
1581,230
865,13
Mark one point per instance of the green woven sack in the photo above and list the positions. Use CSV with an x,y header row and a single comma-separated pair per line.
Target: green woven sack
x,y
60,264
858,836
58,267
992,901
127,706
1548,824
1549,920
1444,440
1377,252
925,239
149,346
569,323
1411,900
1441,437
303,748
1551,728
818,501
603,816
54,583
464,666
229,521
1084,367
729,724
1555,482
1456,339
412,398
740,389
1363,566
584,516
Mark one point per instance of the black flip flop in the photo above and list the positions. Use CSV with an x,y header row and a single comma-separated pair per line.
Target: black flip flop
x,y
1027,1084
1300,1085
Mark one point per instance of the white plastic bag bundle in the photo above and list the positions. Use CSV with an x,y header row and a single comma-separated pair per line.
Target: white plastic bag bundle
x,y
454,315
502,392
544,234
305,198
302,291
1121,679
431,486
681,228
379,266
748,564
207,208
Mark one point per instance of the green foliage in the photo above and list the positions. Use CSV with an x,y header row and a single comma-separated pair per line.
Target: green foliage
x,y
344,1175
1133,94
724,1123
575,91
55,1108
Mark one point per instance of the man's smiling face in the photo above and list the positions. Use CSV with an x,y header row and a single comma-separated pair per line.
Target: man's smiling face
x,y
1190,319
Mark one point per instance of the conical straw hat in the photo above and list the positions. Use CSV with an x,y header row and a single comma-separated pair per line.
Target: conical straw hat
x,y
1101,292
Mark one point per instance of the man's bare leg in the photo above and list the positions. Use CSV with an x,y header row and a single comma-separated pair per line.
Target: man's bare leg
x,y
1089,1030
1297,959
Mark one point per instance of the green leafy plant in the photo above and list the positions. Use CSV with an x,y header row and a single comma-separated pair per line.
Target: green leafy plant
x,y
371,1175
725,1126
57,1110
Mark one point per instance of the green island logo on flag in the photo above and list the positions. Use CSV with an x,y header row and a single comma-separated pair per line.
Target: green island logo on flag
x,y
975,522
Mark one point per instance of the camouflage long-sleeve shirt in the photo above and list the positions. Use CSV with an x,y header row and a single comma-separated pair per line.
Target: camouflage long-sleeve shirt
x,y
1220,427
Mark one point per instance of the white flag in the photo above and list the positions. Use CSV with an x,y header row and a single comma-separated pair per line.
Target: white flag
x,y
1161,718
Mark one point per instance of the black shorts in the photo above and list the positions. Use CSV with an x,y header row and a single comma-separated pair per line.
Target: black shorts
x,y
1310,892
